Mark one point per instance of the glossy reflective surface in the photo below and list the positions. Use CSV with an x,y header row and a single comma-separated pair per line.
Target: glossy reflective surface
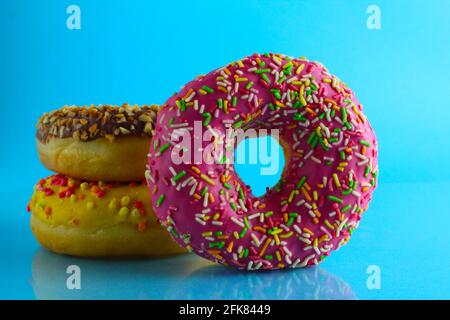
x,y
401,233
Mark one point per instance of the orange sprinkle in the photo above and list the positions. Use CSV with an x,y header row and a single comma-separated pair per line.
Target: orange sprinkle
x,y
195,169
142,226
266,244
230,246
306,194
259,228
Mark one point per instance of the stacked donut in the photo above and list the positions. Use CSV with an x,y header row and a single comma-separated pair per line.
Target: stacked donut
x,y
97,203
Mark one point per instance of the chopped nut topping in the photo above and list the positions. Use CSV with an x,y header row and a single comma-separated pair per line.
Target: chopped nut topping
x,y
89,123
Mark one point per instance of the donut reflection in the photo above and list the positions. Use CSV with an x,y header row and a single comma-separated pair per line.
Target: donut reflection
x,y
179,277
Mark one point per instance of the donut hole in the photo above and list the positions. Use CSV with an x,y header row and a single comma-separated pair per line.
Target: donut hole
x,y
259,162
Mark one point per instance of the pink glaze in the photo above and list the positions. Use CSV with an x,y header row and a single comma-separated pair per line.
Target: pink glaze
x,y
330,173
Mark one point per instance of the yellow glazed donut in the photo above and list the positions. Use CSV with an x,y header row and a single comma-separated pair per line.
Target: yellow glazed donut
x,y
107,143
97,219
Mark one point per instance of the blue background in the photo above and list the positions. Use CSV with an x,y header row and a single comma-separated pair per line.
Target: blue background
x,y
143,51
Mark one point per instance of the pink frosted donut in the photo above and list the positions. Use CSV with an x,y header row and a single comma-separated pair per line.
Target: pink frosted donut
x,y
326,185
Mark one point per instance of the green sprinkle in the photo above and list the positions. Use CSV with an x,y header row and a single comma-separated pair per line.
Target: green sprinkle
x,y
172,230
311,137
259,71
164,147
180,175
268,257
160,200
299,117
234,101
220,103
241,193
315,141
290,221
346,192
204,191
219,244
181,104
238,124
246,223
344,114
249,85
342,155
243,232
227,185
233,206
287,65
335,199
276,93
364,143
281,80
322,143
268,214
223,160
301,182
265,78
207,118
346,208
208,89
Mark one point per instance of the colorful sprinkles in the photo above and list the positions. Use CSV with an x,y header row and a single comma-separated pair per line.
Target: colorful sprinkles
x,y
107,197
326,186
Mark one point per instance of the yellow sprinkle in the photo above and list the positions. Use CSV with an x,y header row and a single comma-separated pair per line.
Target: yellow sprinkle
x,y
315,195
300,68
275,232
207,179
113,204
308,231
277,240
277,253
336,180
73,198
317,213
236,235
326,80
287,235
124,211
328,224
135,213
84,186
302,99
70,183
90,205
291,196
125,201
